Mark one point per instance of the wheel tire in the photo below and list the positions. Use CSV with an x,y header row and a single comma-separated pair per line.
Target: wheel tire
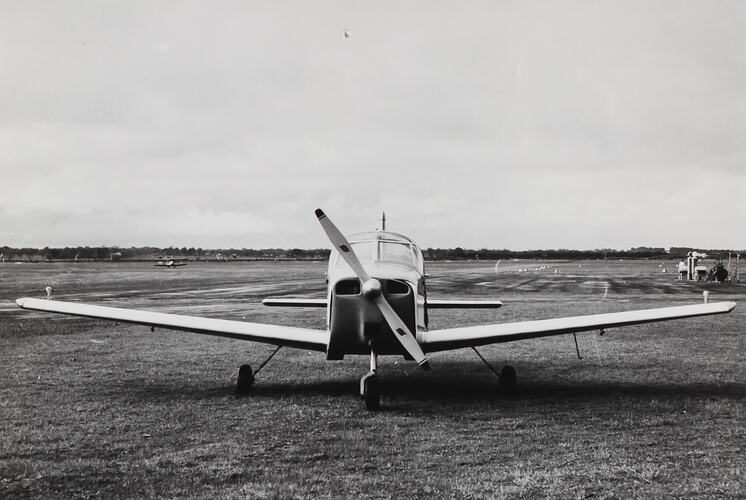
x,y
508,379
372,394
245,379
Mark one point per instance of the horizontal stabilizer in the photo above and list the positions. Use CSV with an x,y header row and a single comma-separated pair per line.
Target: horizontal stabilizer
x,y
304,338
295,302
463,304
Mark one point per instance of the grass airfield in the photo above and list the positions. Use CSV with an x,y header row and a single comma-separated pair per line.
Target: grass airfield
x,y
96,409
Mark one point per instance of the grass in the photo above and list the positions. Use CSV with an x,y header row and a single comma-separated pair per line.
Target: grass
x,y
94,409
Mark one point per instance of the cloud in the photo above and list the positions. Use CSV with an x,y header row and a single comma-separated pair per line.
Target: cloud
x,y
574,124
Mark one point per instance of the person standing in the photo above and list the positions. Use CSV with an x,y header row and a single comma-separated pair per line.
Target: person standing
x,y
683,270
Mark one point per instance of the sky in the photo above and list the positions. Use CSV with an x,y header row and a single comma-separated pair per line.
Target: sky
x,y
496,124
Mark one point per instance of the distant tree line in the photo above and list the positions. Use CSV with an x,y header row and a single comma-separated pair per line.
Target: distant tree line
x,y
459,253
101,253
712,253
562,253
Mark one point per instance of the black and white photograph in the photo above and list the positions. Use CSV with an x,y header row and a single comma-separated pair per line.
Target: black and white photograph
x,y
348,249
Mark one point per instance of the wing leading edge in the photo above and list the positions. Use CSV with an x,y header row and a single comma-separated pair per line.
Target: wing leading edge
x,y
472,336
304,338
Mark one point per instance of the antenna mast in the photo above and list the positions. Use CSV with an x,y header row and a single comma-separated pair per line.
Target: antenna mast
x,y
383,221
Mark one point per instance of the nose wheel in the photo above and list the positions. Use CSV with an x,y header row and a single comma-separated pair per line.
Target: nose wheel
x,y
369,387
370,392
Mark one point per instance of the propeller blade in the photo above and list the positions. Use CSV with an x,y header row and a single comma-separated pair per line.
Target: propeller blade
x,y
342,245
402,333
372,290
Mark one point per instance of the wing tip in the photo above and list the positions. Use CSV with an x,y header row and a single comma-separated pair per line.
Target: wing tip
x,y
725,306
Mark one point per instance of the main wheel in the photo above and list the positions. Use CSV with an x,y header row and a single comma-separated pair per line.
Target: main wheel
x,y
372,393
245,379
508,379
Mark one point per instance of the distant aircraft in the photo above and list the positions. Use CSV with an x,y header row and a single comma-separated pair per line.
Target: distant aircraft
x,y
377,304
167,262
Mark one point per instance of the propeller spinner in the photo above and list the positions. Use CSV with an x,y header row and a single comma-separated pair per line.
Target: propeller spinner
x,y
371,289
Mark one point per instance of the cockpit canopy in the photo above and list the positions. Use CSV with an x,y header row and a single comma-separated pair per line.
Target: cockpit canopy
x,y
383,247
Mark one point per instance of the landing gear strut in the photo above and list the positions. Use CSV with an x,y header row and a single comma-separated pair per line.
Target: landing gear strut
x,y
369,389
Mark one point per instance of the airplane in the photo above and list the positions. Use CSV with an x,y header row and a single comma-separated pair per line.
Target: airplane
x,y
169,262
376,304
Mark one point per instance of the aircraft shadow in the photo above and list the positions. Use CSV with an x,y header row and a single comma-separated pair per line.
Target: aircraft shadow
x,y
153,391
454,390
398,389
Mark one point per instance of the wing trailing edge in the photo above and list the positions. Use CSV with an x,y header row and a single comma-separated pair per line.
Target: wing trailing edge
x,y
304,338
472,336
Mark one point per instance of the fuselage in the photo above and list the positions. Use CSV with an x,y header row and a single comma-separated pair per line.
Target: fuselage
x,y
356,325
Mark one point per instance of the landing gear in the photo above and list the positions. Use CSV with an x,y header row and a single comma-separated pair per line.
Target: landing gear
x,y
246,375
507,376
508,379
369,388
371,392
245,380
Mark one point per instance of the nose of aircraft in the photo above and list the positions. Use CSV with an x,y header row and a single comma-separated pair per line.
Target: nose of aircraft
x,y
371,288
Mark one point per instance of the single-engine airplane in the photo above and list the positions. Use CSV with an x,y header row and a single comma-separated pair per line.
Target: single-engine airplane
x,y
169,262
377,305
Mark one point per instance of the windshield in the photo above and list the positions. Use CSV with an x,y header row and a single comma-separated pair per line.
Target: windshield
x,y
370,251
365,250
397,252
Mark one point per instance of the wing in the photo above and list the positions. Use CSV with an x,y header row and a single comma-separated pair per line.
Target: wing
x,y
463,304
471,336
304,338
295,302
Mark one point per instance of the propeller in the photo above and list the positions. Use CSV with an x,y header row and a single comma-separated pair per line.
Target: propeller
x,y
371,289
